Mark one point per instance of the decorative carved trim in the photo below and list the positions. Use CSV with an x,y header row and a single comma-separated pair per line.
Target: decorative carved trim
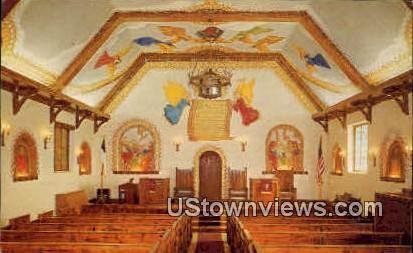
x,y
365,106
98,121
56,106
11,79
224,175
80,115
118,135
385,156
323,121
396,89
20,95
277,62
400,94
25,154
119,18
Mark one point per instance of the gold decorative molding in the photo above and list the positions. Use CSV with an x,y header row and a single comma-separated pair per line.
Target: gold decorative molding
x,y
224,175
305,95
301,17
9,38
377,76
210,5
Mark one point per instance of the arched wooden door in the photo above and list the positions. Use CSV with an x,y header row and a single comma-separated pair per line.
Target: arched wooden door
x,y
210,173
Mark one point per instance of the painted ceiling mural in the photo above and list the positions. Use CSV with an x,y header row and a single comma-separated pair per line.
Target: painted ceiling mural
x,y
42,48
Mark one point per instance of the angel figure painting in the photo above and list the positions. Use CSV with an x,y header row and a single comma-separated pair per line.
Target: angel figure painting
x,y
137,150
284,148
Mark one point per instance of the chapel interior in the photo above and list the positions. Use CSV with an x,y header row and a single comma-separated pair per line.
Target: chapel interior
x,y
113,109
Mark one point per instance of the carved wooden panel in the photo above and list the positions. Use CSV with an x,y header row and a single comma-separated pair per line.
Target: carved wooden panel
x,y
184,184
263,189
153,190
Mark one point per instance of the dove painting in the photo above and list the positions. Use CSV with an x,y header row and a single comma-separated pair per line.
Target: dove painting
x,y
164,46
246,36
311,62
262,44
111,61
176,34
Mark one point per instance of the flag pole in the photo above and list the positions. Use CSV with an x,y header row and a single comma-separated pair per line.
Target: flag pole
x,y
320,190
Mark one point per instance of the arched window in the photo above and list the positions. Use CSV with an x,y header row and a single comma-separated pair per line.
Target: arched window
x,y
24,158
284,149
85,159
393,160
136,148
338,160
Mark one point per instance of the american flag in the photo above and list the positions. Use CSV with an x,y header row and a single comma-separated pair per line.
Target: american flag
x,y
321,167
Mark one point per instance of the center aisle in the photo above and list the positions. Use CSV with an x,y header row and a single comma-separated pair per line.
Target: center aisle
x,y
209,235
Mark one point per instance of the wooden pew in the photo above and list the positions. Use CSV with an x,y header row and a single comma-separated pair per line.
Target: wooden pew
x,y
332,248
80,236
342,237
76,247
130,227
309,227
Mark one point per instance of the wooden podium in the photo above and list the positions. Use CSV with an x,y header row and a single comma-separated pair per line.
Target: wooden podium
x,y
264,190
129,193
153,190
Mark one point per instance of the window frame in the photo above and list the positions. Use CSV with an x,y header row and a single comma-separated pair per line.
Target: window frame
x,y
59,160
352,145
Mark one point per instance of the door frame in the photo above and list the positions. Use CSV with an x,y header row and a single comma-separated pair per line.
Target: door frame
x,y
224,169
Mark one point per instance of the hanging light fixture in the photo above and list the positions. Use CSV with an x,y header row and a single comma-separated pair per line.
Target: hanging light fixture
x,y
209,83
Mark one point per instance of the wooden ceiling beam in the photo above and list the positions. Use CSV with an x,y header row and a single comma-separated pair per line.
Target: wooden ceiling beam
x,y
210,55
301,17
339,58
396,89
12,80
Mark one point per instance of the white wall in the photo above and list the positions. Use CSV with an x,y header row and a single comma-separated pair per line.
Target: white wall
x,y
36,196
388,121
276,103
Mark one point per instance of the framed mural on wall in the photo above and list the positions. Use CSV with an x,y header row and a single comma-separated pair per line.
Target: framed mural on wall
x,y
84,159
284,149
136,148
25,159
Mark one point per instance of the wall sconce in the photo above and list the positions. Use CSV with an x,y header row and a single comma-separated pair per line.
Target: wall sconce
x,y
177,142
244,143
5,131
373,154
46,139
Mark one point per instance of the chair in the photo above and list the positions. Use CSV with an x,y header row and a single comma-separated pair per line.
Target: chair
x,y
286,184
238,189
184,183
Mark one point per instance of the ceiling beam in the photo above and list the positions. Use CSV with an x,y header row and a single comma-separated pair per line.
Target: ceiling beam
x,y
7,6
338,57
10,80
118,18
396,89
210,55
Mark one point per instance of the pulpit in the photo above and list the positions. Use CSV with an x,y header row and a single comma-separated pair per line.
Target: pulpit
x,y
262,189
286,184
153,190
129,193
